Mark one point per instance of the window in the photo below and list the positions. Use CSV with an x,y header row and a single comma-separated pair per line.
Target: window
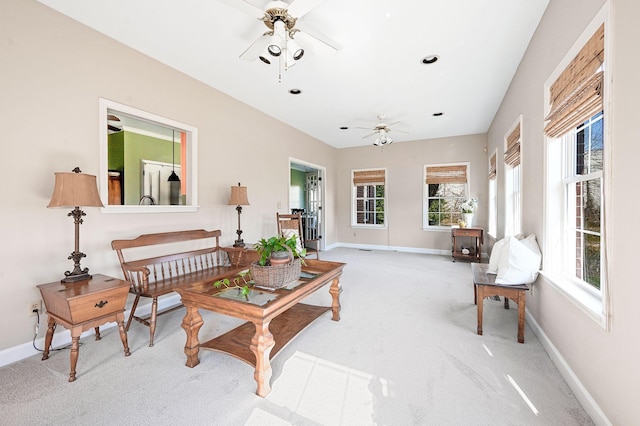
x,y
369,198
493,196
446,188
576,160
513,170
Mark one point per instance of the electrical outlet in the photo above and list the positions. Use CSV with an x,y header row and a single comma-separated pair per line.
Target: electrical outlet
x,y
35,305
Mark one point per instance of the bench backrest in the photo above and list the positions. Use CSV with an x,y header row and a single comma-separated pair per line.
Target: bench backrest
x,y
141,272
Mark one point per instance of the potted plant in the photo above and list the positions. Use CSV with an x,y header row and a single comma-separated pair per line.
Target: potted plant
x,y
468,208
267,271
279,247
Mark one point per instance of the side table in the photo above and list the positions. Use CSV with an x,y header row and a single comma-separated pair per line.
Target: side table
x,y
477,234
82,305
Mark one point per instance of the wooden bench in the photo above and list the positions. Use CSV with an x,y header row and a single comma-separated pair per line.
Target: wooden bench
x,y
152,277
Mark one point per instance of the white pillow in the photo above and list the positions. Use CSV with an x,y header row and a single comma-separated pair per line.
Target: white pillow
x,y
518,263
288,233
495,256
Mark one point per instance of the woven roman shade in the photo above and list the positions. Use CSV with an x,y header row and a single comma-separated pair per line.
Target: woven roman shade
x,y
368,177
446,174
576,95
512,155
492,167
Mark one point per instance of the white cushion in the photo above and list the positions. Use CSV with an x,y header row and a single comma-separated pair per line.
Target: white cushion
x,y
495,256
518,263
290,232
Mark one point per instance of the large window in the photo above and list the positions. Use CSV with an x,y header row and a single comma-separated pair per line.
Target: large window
x,y
446,188
369,198
513,187
575,191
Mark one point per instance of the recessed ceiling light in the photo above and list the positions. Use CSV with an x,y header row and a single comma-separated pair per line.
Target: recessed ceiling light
x,y
295,91
438,114
431,59
344,128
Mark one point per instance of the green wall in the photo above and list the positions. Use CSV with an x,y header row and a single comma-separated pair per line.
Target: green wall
x,y
296,191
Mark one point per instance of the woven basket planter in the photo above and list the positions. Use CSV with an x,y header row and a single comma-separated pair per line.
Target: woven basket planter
x,y
276,276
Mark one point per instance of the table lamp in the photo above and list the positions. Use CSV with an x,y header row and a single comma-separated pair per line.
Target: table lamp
x,y
75,190
239,199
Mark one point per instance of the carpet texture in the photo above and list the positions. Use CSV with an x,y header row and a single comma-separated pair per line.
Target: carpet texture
x,y
405,352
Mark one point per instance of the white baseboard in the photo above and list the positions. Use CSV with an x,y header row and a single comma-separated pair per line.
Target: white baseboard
x,y
398,248
62,337
582,394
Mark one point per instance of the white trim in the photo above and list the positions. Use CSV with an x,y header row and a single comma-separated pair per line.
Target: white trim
x,y
354,218
579,390
425,193
63,336
323,195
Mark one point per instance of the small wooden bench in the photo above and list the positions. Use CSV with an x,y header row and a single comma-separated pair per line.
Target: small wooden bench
x,y
155,276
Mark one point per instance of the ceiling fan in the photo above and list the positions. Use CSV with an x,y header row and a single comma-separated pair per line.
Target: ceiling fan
x,y
381,131
280,39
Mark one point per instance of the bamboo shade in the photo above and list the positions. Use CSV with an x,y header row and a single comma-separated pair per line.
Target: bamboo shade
x,y
368,177
576,94
512,156
492,167
446,174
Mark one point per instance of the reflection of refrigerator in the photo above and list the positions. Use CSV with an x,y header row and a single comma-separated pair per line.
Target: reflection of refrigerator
x,y
155,182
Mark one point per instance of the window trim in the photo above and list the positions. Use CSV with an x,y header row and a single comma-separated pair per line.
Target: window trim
x,y
493,181
581,295
354,213
425,194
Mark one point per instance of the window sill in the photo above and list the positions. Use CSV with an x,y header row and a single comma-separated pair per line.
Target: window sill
x,y
587,302
437,228
361,226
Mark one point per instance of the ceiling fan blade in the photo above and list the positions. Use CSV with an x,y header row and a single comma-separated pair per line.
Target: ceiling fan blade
x,y
257,47
316,41
246,7
298,8
369,135
398,131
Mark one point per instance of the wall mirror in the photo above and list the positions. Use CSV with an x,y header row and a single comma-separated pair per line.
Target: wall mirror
x,y
148,163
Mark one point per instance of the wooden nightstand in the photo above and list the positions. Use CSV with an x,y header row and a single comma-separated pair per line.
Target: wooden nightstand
x,y
474,233
82,305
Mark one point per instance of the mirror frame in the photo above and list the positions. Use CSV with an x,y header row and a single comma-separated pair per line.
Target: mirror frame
x,y
191,161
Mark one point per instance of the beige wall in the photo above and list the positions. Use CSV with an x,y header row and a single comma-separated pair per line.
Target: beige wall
x,y
405,183
53,70
604,361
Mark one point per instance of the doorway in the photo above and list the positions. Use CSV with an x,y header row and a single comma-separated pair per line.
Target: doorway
x,y
306,196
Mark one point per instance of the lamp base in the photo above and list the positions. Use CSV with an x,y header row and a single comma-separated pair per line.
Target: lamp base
x,y
238,243
72,278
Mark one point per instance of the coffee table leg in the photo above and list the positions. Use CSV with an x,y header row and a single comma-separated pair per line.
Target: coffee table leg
x,y
335,291
261,345
191,324
480,301
48,338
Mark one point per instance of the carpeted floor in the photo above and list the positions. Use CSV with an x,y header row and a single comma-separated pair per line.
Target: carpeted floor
x,y
404,353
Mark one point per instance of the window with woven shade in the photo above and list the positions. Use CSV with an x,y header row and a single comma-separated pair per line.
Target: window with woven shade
x,y
576,161
369,197
446,188
512,179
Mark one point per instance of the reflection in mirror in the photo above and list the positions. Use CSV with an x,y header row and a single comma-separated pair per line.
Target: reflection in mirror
x,y
147,161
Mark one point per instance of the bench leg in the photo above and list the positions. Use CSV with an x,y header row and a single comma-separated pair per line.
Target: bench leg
x,y
521,304
480,302
152,320
132,313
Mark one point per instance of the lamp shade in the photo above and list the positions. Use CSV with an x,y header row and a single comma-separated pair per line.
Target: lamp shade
x,y
238,196
75,190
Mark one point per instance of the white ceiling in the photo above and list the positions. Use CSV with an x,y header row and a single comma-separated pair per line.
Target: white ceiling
x,y
377,70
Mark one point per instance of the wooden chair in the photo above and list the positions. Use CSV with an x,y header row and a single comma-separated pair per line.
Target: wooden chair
x,y
292,223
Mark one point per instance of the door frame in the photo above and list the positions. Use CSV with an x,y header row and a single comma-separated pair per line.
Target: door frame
x,y
297,164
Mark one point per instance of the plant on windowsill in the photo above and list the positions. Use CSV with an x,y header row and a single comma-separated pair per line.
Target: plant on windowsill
x,y
468,207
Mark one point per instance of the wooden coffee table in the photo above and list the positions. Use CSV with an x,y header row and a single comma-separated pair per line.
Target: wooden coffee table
x,y
274,317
